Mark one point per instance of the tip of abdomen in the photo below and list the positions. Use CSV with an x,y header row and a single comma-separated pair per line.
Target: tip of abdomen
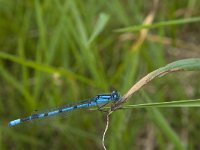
x,y
14,122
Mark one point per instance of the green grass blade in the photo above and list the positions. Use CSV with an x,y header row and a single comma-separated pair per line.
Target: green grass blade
x,y
48,69
160,24
186,64
103,19
180,103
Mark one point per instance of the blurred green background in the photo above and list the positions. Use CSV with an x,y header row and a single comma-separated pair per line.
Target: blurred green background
x,y
56,52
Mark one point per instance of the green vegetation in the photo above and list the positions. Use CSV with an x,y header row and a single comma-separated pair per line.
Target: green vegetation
x,y
57,52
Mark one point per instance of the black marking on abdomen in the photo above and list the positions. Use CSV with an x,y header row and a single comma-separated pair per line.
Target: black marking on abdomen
x,y
24,119
46,114
34,116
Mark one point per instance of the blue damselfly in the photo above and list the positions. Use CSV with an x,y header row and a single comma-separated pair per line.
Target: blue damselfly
x,y
101,99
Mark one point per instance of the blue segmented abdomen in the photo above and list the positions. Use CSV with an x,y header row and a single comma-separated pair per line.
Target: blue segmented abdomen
x,y
98,100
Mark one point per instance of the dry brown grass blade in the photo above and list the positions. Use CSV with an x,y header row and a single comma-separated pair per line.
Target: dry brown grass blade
x,y
144,32
149,77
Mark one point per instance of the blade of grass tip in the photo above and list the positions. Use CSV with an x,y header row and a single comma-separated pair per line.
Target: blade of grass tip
x,y
159,24
160,120
102,20
180,103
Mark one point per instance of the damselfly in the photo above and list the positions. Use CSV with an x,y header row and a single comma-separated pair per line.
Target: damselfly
x,y
101,99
